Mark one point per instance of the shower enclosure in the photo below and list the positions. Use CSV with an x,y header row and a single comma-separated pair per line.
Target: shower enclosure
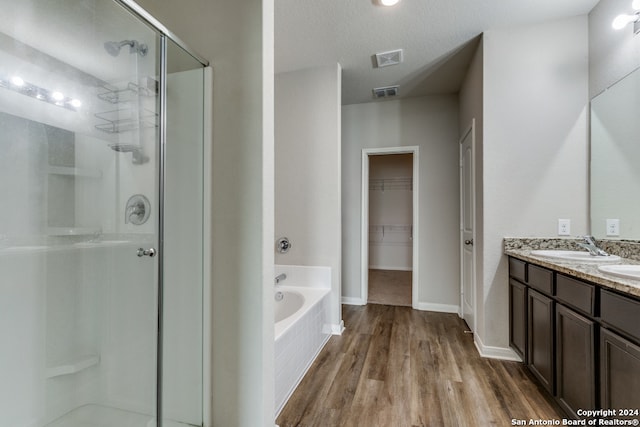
x,y
102,217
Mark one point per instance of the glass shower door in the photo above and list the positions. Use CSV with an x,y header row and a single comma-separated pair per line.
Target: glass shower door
x,y
79,216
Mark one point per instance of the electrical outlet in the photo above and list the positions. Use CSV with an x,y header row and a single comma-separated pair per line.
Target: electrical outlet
x,y
564,227
613,227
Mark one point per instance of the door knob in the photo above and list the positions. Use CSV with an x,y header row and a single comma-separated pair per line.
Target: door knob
x,y
146,252
468,242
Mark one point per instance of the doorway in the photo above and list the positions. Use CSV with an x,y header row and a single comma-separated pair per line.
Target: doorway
x,y
467,222
389,230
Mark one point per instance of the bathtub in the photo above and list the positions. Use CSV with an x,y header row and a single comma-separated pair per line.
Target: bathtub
x,y
301,328
295,304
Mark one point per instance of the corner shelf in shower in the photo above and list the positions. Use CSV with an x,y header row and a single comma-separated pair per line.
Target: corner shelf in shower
x,y
71,171
73,231
115,95
126,120
73,366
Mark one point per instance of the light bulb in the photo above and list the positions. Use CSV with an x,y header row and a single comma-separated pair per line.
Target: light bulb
x,y
388,2
621,21
57,96
76,103
15,80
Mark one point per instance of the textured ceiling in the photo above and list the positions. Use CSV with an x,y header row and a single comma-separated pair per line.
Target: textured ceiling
x,y
438,38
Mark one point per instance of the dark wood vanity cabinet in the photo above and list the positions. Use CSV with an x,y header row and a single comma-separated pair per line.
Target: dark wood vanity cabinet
x,y
581,341
518,318
575,360
619,351
540,338
619,372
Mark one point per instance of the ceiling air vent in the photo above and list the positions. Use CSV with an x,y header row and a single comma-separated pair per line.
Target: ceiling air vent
x,y
385,92
392,57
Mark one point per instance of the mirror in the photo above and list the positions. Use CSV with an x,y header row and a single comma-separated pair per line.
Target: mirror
x,y
615,160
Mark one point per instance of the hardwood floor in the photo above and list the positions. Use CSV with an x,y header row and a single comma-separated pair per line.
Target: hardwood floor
x,y
396,367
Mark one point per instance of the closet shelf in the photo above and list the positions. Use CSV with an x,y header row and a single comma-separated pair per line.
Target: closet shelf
x,y
74,366
382,184
391,234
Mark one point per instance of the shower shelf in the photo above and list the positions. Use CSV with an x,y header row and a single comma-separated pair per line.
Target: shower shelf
x,y
73,231
125,120
114,95
81,172
74,366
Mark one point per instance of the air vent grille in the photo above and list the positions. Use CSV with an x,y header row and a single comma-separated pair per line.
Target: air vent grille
x,y
392,57
386,92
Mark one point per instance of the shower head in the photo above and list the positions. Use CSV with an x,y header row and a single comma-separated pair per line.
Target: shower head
x,y
113,48
138,156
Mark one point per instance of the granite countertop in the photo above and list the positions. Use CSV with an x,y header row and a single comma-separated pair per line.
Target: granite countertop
x,y
521,249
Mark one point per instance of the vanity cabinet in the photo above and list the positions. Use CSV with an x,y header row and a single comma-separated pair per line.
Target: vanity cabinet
x,y
540,338
619,351
518,318
619,371
575,360
561,331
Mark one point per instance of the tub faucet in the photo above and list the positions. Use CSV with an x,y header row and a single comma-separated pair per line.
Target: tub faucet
x,y
280,277
591,245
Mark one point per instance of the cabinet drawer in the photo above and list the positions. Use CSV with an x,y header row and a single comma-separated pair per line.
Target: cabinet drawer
x,y
541,279
576,293
621,313
518,269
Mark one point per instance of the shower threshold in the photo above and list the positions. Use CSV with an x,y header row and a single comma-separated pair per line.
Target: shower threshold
x,y
105,416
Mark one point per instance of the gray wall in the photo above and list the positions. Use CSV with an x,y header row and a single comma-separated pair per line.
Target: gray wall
x,y
432,124
237,37
535,152
307,173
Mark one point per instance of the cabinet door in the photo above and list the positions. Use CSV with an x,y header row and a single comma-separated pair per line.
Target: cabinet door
x,y
540,338
518,318
619,372
575,371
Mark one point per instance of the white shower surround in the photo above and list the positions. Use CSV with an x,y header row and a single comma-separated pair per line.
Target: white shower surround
x,y
300,337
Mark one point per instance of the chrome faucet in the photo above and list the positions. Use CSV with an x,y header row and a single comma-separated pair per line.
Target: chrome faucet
x,y
280,277
591,245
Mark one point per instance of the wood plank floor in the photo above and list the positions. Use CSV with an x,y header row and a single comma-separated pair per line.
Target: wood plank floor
x,y
395,366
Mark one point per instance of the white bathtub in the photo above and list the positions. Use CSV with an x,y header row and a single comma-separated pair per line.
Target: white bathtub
x,y
296,303
303,329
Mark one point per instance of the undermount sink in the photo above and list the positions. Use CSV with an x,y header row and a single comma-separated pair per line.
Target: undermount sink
x,y
577,256
624,271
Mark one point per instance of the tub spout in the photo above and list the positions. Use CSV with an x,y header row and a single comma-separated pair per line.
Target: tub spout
x,y
280,278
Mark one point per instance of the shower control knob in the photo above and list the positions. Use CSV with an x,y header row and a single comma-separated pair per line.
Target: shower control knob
x,y
147,252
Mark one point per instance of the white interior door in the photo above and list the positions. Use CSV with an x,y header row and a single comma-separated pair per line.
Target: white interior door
x,y
467,219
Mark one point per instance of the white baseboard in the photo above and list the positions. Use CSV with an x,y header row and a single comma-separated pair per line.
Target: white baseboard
x,y
337,329
391,267
353,301
441,308
502,353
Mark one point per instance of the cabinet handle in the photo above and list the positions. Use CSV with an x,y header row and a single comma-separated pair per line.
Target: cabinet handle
x,y
468,242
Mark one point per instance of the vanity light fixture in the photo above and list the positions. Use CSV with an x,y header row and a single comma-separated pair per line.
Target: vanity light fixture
x,y
622,20
19,85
